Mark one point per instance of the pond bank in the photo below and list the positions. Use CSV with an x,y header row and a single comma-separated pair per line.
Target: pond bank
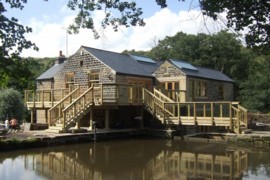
x,y
257,139
32,139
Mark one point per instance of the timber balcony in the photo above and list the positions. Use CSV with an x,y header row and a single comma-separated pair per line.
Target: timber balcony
x,y
68,108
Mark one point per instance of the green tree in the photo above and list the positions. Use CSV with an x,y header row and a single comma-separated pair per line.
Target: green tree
x,y
255,93
12,33
15,72
11,104
251,14
181,46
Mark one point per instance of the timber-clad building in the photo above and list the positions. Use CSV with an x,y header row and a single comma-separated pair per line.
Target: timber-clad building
x,y
125,91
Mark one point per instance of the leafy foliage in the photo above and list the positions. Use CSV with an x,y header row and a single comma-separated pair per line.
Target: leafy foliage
x,y
11,104
20,73
12,33
251,14
128,14
222,51
255,92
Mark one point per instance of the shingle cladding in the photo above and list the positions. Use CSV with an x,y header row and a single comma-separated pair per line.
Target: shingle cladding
x,y
205,73
123,63
50,73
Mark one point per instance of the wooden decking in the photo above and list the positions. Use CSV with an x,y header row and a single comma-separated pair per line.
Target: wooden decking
x,y
73,106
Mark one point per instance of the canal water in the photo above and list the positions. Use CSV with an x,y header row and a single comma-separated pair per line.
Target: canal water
x,y
136,160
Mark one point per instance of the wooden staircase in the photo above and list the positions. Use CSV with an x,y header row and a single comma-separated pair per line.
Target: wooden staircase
x,y
70,110
64,115
225,114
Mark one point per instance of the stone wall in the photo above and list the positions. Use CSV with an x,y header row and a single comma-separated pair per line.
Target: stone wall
x,y
81,64
169,73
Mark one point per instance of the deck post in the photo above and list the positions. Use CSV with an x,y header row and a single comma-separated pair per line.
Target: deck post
x,y
231,120
32,116
107,119
52,97
194,109
212,113
179,112
141,120
46,115
42,97
78,125
91,119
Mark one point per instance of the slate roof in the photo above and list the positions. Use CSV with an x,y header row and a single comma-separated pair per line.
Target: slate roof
x,y
50,73
124,63
202,72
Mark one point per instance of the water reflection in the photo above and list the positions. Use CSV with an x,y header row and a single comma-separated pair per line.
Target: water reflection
x,y
134,159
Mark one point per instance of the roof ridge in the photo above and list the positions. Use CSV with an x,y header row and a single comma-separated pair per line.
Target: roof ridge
x,y
103,50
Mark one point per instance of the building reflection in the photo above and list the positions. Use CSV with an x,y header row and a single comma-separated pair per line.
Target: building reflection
x,y
150,159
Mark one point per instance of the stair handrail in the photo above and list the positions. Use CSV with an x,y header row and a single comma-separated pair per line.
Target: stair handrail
x,y
240,115
156,102
72,105
163,96
59,104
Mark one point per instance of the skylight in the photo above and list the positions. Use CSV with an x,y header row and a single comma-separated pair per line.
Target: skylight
x,y
184,65
142,59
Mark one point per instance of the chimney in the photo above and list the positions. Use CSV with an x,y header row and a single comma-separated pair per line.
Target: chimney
x,y
61,58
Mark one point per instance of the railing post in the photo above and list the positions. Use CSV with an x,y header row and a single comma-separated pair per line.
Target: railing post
x,y
163,109
34,99
238,121
117,91
212,113
221,110
50,117
231,119
64,120
178,111
194,109
101,91
143,95
42,98
52,97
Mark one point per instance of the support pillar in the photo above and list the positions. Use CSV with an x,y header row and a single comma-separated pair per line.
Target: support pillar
x,y
91,119
32,116
142,120
46,115
78,125
107,119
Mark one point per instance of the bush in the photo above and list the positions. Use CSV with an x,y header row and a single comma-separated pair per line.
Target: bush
x,y
11,104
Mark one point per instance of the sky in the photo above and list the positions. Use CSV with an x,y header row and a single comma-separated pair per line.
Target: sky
x,y
49,20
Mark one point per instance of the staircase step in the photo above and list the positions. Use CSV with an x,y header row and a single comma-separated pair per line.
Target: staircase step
x,y
56,131
246,131
58,125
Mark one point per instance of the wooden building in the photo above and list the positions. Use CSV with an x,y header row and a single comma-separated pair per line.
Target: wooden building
x,y
120,91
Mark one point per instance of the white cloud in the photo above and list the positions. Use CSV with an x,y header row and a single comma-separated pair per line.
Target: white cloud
x,y
51,37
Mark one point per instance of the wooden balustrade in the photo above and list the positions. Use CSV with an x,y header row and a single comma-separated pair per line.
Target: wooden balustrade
x,y
70,107
44,98
55,113
100,94
175,95
227,114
